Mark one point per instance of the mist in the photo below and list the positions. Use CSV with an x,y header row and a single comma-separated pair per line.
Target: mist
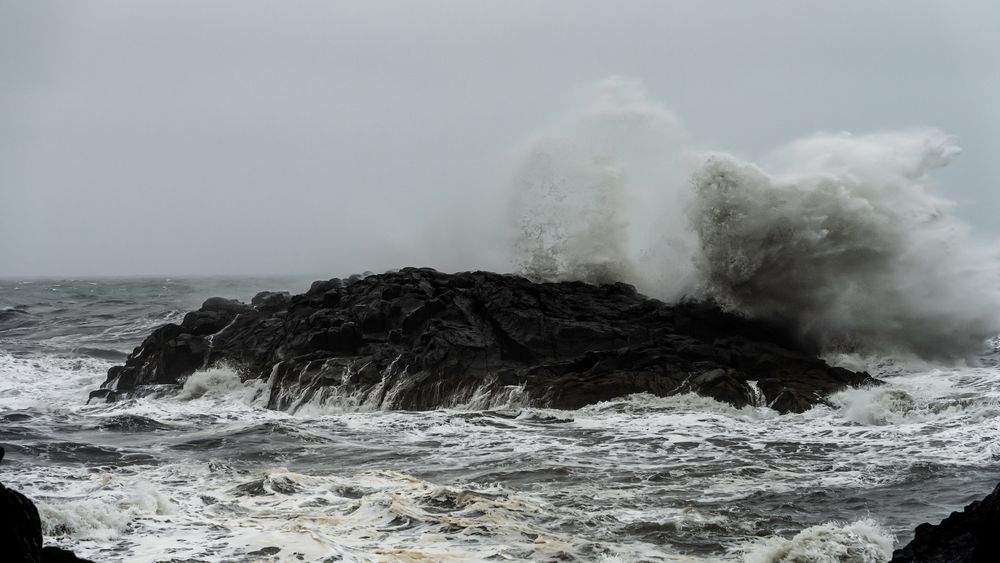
x,y
179,138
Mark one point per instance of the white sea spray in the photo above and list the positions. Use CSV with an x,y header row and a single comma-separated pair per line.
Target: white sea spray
x,y
842,236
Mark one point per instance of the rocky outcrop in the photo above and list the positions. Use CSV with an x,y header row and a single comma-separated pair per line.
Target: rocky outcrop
x,y
970,536
421,339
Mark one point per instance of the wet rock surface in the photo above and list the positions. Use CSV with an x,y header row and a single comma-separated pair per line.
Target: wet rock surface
x,y
420,339
970,536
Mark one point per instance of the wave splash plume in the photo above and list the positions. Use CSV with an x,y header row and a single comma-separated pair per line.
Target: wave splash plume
x,y
863,541
839,236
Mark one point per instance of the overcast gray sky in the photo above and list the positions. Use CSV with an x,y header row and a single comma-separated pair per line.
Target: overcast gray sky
x,y
193,137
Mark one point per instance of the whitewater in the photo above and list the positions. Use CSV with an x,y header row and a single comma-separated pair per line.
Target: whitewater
x,y
841,237
205,473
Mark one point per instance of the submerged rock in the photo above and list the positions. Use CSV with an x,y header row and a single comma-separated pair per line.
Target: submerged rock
x,y
420,339
970,536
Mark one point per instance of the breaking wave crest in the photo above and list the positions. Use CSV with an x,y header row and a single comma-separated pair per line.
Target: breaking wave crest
x,y
220,381
837,235
102,518
862,541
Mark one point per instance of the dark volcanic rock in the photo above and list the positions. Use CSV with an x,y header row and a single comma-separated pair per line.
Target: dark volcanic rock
x,y
421,339
970,536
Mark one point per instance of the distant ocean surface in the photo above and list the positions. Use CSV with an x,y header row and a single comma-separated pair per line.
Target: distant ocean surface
x,y
205,473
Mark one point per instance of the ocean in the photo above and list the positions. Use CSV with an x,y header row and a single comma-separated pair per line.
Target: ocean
x,y
206,473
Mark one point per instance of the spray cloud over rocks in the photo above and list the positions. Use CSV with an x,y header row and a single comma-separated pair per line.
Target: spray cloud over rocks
x,y
601,194
836,235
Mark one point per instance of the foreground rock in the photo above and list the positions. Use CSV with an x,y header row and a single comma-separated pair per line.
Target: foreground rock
x,y
21,531
970,536
420,339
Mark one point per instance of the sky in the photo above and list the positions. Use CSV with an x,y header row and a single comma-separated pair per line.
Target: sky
x,y
243,137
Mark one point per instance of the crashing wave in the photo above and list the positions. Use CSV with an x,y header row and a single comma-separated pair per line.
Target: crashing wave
x,y
839,236
862,541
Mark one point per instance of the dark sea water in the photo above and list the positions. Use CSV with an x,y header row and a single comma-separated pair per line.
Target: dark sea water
x,y
205,473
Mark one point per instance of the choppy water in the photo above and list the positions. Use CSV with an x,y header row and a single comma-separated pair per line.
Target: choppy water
x,y
207,474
